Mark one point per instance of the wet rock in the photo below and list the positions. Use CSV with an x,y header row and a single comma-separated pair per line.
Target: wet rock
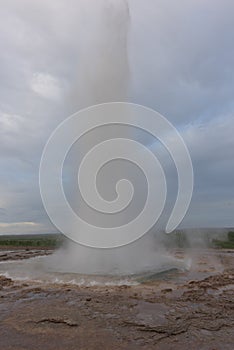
x,y
5,282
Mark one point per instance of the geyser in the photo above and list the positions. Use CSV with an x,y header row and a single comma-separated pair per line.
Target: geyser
x,y
103,75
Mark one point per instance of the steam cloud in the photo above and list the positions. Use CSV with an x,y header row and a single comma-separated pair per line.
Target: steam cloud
x,y
103,76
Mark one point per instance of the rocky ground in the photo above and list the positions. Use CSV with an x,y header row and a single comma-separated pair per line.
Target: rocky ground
x,y
193,311
19,253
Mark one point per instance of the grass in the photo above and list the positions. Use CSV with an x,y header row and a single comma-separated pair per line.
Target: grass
x,y
224,244
45,240
56,240
229,244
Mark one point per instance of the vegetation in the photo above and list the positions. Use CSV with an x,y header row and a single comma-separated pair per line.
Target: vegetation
x,y
199,238
43,240
228,244
178,239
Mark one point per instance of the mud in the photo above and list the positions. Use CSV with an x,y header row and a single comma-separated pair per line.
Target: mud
x,y
179,310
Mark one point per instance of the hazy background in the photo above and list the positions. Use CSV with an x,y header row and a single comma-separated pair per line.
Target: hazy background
x,y
181,58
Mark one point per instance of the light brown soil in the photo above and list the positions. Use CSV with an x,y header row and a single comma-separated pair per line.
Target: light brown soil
x,y
162,314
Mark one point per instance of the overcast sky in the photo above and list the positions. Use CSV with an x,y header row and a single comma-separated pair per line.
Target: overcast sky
x,y
181,59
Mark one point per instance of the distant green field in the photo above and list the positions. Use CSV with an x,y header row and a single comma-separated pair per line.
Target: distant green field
x,y
229,244
185,239
42,240
178,239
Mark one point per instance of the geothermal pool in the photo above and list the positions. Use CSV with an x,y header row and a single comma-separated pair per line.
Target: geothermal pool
x,y
44,269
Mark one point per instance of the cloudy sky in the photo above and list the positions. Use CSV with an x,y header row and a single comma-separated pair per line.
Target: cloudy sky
x,y
181,59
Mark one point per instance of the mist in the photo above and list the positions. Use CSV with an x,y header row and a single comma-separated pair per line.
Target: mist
x,y
103,75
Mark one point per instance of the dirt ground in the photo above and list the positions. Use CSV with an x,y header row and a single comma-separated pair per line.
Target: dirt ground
x,y
191,310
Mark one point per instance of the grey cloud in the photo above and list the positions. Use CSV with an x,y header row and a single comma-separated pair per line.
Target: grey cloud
x,y
181,62
187,57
